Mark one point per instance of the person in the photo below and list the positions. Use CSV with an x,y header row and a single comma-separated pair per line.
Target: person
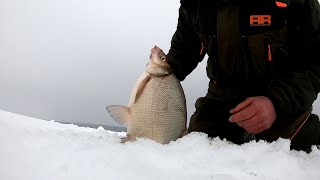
x,y
263,66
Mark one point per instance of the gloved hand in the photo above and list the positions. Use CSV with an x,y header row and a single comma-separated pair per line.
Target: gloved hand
x,y
254,114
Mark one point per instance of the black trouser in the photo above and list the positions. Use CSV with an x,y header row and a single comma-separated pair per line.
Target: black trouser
x,y
212,114
308,135
211,117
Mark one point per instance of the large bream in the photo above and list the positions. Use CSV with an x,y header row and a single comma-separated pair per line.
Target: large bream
x,y
157,105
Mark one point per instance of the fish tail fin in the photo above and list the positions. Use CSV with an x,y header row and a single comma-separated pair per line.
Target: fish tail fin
x,y
121,114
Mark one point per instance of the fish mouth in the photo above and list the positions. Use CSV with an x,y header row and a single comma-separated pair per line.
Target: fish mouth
x,y
155,49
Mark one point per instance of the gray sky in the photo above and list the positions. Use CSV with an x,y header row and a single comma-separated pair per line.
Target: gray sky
x,y
66,60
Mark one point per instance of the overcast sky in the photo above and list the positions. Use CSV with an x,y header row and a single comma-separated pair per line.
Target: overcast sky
x,y
66,60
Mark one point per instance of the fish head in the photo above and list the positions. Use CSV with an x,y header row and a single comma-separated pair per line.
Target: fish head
x,y
158,64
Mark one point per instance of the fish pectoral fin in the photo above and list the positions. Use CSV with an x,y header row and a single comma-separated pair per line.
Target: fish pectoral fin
x,y
128,138
121,114
137,90
142,85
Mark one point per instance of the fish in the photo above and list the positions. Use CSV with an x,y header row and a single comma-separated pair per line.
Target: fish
x,y
157,104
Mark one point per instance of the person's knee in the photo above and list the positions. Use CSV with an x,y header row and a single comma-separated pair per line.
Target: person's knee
x,y
308,135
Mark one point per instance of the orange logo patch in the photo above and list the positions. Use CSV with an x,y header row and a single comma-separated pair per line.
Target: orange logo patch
x,y
281,4
260,20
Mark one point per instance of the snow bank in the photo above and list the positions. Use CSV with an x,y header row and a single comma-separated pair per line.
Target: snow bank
x,y
33,149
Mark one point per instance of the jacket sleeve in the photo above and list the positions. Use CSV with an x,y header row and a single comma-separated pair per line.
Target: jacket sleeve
x,y
184,54
295,91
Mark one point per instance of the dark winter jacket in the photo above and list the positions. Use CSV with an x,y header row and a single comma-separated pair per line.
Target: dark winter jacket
x,y
255,47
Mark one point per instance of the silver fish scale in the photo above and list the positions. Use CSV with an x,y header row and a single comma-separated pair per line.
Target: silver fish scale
x,y
160,111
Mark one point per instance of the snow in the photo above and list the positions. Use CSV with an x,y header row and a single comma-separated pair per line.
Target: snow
x,y
34,149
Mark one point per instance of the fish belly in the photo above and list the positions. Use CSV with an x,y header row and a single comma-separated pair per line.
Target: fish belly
x,y
160,111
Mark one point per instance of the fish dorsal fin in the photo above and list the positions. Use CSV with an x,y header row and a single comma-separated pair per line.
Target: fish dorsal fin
x,y
121,114
138,87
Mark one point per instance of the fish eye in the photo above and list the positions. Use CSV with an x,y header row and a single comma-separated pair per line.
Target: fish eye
x,y
163,58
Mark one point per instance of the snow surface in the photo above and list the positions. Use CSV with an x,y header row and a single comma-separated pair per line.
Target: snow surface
x,y
34,149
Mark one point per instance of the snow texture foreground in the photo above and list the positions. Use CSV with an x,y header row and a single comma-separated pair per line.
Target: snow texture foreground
x,y
33,149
